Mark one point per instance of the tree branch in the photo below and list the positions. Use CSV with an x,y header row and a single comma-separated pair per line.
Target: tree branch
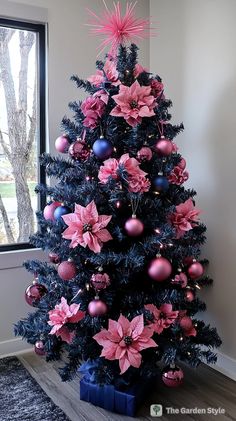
x,y
9,233
5,147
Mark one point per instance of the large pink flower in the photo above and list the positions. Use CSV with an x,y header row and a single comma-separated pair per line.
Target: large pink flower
x,y
139,184
157,88
178,176
93,108
133,103
62,314
185,217
108,73
87,228
108,169
162,317
124,340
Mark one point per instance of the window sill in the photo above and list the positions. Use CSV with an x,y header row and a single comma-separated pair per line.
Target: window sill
x,y
15,258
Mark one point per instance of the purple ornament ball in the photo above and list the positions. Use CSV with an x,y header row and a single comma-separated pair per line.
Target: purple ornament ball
x,y
159,269
67,270
134,227
102,148
62,144
49,210
60,211
97,308
172,376
39,348
164,147
195,270
34,293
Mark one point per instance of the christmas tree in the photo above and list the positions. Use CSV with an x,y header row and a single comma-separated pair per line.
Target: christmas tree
x,y
118,293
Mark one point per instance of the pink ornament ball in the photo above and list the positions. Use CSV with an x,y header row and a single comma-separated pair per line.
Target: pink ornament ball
x,y
159,269
164,147
67,270
100,281
172,376
182,164
49,210
39,348
78,150
97,308
186,323
144,154
34,293
190,296
134,227
53,257
62,144
195,270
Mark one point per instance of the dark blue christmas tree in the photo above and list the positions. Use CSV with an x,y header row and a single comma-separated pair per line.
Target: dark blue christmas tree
x,y
123,237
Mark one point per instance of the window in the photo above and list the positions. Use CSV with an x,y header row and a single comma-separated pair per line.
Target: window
x,y
22,129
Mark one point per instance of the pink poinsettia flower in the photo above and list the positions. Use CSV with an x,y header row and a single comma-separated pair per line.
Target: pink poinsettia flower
x,y
178,176
162,317
108,169
180,279
133,103
87,228
185,218
108,73
64,313
93,108
102,95
65,334
139,69
97,79
157,88
139,184
124,340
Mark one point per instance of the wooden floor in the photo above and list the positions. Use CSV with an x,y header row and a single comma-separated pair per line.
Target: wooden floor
x,y
202,388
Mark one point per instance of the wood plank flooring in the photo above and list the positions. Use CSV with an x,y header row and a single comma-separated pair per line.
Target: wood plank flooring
x,y
202,388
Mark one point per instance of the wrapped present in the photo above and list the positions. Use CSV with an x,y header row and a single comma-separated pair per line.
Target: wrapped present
x,y
125,401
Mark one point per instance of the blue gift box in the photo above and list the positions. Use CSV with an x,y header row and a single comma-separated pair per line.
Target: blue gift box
x,y
124,402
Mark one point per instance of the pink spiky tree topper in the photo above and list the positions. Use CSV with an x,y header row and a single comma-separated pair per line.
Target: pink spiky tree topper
x,y
118,29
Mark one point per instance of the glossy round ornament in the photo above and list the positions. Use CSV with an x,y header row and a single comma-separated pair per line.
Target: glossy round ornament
x,y
186,323
60,211
49,210
100,281
102,148
39,348
67,270
189,296
160,183
62,144
164,147
78,150
134,227
172,376
97,308
159,269
53,257
195,270
34,293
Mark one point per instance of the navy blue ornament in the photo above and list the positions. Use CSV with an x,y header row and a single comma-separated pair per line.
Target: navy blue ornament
x,y
160,183
102,148
60,211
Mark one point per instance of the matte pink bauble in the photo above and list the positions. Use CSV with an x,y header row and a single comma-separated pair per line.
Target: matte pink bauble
x,y
97,308
49,210
186,323
53,257
172,376
159,269
134,227
34,293
100,281
67,270
190,296
62,144
195,270
144,154
164,147
39,348
182,164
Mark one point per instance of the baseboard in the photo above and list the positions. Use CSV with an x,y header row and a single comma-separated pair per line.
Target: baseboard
x,y
226,365
13,347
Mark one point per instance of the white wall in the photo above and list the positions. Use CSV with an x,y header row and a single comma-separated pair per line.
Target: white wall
x,y
195,54
70,50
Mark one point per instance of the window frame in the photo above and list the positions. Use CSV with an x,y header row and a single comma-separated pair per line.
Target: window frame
x,y
40,30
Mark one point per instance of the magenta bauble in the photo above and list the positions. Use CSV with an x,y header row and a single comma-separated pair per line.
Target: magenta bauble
x,y
53,257
34,293
172,376
97,308
67,270
164,147
49,210
188,260
62,144
182,164
195,270
78,150
186,323
100,281
159,269
144,154
134,227
189,296
39,348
